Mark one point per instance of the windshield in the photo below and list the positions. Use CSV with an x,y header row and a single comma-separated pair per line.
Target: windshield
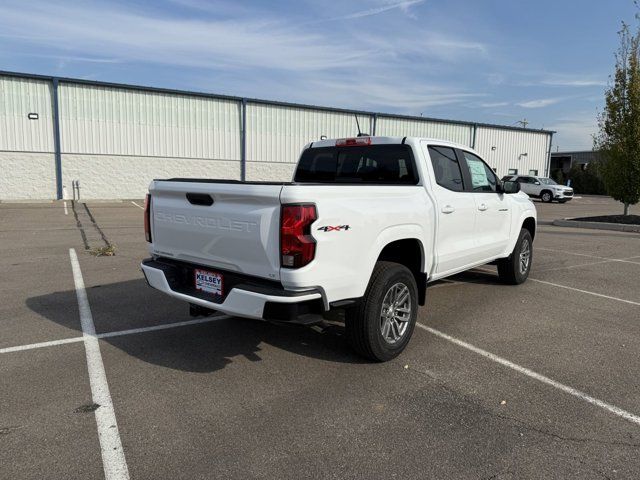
x,y
547,181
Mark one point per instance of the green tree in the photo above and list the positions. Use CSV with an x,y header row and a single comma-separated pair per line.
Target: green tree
x,y
619,124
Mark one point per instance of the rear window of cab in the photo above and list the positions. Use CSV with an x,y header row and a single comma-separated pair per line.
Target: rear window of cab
x,y
372,164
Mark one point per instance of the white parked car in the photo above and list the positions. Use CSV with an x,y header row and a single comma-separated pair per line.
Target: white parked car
x,y
544,188
364,226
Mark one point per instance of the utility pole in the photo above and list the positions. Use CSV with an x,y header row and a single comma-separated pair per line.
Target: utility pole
x,y
523,123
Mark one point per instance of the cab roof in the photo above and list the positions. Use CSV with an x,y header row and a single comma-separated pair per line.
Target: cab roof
x,y
380,140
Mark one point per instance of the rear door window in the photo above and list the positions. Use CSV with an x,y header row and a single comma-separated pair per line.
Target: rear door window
x,y
446,168
373,164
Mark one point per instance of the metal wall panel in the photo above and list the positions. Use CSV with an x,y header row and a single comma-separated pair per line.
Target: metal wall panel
x,y
18,98
117,121
400,127
278,133
505,149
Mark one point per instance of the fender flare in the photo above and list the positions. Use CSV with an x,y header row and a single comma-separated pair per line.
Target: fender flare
x,y
518,225
393,234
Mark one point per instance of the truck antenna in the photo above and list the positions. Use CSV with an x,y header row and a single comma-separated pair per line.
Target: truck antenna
x,y
360,134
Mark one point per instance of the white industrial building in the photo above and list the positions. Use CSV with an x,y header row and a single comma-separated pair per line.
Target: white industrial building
x,y
114,139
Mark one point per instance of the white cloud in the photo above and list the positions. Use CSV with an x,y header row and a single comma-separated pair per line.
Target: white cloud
x,y
403,6
493,104
254,55
539,103
573,81
115,32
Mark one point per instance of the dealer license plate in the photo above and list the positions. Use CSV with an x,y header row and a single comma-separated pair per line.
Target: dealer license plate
x,y
209,282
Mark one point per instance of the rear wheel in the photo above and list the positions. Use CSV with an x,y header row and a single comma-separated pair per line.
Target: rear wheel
x,y
380,327
546,196
514,269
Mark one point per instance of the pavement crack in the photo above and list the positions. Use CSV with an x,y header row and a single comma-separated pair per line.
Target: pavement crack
x,y
96,226
88,408
8,430
83,234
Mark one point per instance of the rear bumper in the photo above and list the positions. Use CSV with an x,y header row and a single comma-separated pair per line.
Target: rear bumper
x,y
257,300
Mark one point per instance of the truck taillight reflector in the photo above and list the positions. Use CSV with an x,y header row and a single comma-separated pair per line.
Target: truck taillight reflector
x,y
297,246
147,218
353,142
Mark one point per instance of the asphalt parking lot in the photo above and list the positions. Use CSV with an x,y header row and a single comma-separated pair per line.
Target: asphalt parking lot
x,y
535,381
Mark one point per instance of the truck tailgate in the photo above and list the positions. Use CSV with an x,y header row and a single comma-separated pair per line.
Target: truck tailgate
x,y
239,231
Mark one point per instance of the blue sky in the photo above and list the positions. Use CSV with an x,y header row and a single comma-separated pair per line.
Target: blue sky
x,y
495,61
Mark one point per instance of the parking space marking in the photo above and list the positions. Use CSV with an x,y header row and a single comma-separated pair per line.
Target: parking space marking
x,y
631,302
66,210
195,321
113,459
31,346
624,260
568,267
118,333
139,206
536,376
586,291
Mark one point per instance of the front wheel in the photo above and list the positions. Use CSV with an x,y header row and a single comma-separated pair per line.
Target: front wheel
x,y
514,269
380,327
546,197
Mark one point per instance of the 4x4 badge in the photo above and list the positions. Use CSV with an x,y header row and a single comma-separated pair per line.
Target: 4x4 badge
x,y
335,228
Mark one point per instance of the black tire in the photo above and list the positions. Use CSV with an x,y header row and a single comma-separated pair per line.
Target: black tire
x,y
364,322
509,269
546,196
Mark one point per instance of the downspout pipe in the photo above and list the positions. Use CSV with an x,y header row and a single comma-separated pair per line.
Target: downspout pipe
x,y
243,141
475,134
56,139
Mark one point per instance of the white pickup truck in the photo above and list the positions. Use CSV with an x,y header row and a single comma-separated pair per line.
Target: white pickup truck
x,y
364,226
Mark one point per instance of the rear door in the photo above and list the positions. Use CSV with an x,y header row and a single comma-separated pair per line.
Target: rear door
x,y
224,225
527,185
455,210
493,218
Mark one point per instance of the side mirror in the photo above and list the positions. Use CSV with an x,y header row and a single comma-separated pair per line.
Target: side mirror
x,y
536,182
509,187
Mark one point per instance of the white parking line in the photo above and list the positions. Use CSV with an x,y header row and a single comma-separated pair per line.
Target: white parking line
x,y
195,321
118,333
568,267
66,210
31,346
631,302
586,291
139,206
624,260
536,376
113,460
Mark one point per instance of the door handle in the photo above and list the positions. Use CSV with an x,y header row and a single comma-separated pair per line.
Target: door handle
x,y
448,209
482,207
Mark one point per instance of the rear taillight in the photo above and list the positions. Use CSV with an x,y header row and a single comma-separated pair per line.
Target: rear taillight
x,y
297,246
147,218
353,142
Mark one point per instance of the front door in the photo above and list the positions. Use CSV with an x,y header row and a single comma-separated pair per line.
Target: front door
x,y
493,218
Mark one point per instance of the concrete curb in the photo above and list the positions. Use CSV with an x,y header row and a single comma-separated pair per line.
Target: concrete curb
x,y
616,227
